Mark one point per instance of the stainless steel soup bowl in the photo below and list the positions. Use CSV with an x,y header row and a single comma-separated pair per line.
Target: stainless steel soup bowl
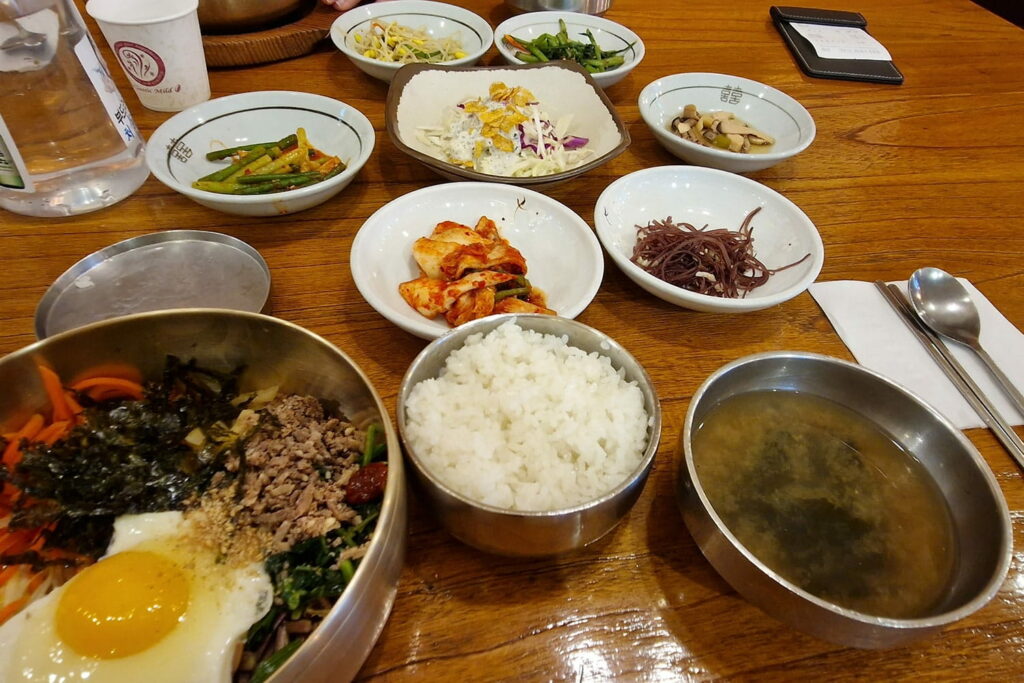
x,y
981,522
274,352
529,534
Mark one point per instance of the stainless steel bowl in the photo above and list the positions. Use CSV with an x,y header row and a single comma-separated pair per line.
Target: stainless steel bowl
x,y
242,16
585,6
530,534
274,352
979,514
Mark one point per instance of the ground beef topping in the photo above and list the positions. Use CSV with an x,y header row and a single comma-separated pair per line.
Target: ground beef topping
x,y
290,484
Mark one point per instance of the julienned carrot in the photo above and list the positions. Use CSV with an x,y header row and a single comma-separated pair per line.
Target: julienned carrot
x,y
12,454
54,432
35,582
8,494
21,541
75,406
55,390
515,43
8,573
12,608
58,554
109,387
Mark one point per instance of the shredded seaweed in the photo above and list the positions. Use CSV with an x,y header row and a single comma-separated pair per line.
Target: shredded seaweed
x,y
128,457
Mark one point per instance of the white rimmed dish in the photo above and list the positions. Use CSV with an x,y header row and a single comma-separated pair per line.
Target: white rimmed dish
x,y
562,254
438,19
421,93
757,104
609,35
177,150
782,233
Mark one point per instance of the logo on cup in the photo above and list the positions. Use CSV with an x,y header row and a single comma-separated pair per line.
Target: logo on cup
x,y
141,63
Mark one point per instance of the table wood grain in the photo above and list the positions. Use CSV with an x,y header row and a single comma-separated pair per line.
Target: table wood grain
x,y
927,173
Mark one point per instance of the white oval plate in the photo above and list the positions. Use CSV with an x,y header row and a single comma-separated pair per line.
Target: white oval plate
x,y
704,196
562,254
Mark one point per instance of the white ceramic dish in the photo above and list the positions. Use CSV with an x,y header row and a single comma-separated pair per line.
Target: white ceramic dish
x,y
702,196
759,105
562,254
438,19
176,152
609,35
422,93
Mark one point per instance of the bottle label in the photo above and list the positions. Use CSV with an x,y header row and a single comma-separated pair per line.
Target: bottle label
x,y
13,174
107,90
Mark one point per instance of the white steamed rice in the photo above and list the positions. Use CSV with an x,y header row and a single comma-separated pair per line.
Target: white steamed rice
x,y
521,420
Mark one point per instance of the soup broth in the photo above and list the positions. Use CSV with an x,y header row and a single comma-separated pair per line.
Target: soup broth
x,y
828,501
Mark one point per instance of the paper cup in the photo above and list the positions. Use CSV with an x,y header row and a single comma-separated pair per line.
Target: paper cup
x,y
160,48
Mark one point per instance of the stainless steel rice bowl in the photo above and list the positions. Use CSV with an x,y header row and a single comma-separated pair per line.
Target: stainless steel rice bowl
x,y
521,533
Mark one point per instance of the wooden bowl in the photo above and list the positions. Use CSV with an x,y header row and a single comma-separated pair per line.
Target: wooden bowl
x,y
241,16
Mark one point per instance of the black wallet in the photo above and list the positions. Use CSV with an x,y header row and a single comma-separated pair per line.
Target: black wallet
x,y
812,64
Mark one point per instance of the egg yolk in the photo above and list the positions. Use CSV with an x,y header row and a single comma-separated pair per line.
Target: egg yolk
x,y
122,605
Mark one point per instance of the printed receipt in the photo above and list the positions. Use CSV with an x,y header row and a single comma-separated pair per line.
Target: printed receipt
x,y
842,42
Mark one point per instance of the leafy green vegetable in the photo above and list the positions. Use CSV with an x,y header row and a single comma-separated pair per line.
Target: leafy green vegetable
x,y
310,572
372,450
272,663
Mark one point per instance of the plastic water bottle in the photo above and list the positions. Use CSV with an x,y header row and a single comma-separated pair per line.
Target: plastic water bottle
x,y
68,143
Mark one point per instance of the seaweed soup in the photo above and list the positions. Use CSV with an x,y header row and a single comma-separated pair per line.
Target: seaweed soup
x,y
828,501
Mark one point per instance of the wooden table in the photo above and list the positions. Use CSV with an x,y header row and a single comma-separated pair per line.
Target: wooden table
x,y
928,173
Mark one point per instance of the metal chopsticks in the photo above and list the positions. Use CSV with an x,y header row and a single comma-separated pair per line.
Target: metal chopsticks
x,y
955,372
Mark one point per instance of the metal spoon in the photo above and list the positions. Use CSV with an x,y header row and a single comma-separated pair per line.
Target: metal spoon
x,y
25,38
944,305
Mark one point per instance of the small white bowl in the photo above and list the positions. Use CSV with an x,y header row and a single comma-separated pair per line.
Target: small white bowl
x,y
609,35
782,232
562,254
176,152
438,19
757,104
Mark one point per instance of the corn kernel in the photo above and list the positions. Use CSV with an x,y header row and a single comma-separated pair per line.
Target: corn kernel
x,y
417,41
358,38
370,53
460,55
392,41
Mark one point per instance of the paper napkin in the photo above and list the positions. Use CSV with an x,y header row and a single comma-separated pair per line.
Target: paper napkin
x,y
880,340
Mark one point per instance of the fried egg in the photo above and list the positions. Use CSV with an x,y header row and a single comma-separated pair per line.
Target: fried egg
x,y
159,607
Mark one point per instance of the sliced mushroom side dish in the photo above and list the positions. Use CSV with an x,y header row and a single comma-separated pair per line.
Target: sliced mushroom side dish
x,y
720,129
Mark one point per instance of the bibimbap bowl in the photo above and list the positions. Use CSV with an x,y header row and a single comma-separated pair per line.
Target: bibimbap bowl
x,y
273,353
